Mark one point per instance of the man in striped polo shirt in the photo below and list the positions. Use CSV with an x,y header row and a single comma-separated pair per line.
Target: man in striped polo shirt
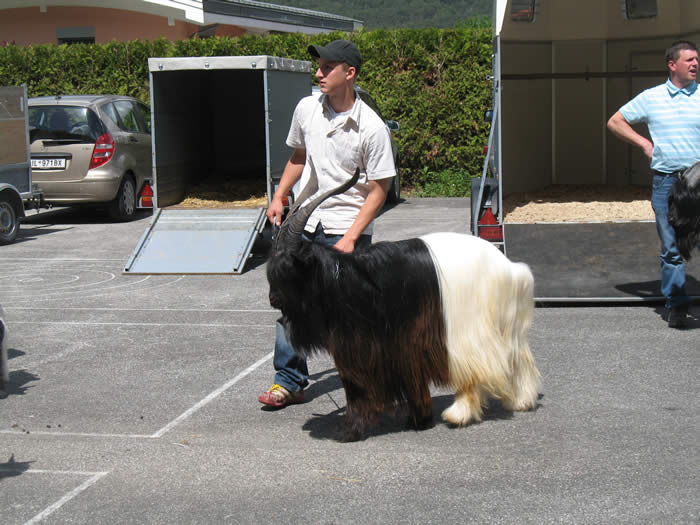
x,y
671,111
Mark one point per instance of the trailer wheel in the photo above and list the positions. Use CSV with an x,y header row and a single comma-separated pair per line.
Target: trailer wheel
x,y
394,194
9,224
123,207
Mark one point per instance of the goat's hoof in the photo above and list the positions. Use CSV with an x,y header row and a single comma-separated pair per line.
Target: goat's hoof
x,y
351,438
423,423
350,435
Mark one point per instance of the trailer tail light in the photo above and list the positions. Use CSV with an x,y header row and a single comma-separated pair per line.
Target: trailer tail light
x,y
146,196
102,152
489,229
486,149
285,201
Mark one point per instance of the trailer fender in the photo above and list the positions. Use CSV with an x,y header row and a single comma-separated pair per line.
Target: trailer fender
x,y
8,193
11,212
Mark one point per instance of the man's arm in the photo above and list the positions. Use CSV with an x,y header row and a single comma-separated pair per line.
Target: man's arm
x,y
290,176
621,129
374,202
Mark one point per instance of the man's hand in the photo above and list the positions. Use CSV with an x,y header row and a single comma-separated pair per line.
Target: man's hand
x,y
345,245
275,211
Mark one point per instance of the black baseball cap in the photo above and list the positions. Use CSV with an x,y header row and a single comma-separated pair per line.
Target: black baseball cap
x,y
338,51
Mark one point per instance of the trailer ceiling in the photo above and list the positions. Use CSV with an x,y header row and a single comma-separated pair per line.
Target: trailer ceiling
x,y
594,20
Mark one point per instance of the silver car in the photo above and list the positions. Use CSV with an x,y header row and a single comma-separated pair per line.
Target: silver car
x,y
88,149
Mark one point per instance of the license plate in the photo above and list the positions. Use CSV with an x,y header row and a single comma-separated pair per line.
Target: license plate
x,y
48,164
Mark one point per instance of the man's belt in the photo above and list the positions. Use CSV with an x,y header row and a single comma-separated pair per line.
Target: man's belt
x,y
678,173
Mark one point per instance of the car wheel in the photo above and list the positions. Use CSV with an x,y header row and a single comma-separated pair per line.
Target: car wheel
x,y
9,225
123,207
395,189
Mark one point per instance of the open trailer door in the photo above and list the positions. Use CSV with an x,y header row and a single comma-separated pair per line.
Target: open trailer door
x,y
218,128
561,69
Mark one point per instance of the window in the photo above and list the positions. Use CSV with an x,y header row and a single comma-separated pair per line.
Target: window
x,y
110,112
75,35
127,116
522,10
635,9
73,123
145,116
76,41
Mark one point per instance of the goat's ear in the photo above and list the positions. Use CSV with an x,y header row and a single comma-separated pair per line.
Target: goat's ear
x,y
303,255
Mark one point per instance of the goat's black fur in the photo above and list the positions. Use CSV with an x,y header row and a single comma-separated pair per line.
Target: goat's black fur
x,y
377,312
684,211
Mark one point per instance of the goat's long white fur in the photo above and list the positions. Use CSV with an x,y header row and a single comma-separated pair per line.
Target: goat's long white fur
x,y
488,303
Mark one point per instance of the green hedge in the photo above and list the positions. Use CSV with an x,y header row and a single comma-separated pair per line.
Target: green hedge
x,y
433,81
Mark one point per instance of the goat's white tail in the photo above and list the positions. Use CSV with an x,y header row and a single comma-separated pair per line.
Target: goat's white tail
x,y
525,377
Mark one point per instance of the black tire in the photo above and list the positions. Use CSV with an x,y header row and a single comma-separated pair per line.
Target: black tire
x,y
9,224
394,194
123,207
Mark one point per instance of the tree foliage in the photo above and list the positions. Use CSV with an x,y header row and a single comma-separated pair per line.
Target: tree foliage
x,y
387,14
433,81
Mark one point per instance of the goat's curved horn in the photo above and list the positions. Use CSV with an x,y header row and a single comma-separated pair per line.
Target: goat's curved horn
x,y
289,234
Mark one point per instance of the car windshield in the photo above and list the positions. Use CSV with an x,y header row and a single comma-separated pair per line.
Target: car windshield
x,y
63,123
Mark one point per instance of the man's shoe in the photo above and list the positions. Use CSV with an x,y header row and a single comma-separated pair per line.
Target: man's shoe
x,y
677,316
280,397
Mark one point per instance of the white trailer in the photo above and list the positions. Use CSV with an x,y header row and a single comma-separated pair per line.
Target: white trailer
x,y
561,69
221,117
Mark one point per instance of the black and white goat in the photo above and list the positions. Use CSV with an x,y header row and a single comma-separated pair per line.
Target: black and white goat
x,y
396,317
684,210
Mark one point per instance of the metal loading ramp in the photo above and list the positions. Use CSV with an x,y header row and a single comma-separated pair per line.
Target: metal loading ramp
x,y
209,241
594,262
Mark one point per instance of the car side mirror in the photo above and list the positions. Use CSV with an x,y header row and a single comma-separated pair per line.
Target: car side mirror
x,y
393,125
488,115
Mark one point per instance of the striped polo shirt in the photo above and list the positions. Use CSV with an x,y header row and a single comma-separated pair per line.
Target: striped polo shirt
x,y
673,118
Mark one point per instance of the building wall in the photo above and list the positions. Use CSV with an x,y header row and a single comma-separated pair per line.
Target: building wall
x,y
25,26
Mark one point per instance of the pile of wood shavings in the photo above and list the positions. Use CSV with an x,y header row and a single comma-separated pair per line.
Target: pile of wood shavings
x,y
232,194
565,203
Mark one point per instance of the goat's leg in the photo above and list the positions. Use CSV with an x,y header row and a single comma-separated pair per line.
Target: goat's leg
x,y
526,382
359,413
420,409
467,406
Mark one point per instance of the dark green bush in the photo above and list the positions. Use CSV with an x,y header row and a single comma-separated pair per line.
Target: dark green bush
x,y
433,81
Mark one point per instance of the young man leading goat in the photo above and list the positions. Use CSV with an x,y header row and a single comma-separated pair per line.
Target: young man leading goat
x,y
332,134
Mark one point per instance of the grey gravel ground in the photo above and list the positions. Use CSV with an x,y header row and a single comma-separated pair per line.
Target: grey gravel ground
x,y
133,400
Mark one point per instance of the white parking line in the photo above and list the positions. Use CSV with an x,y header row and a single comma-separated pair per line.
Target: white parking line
x,y
57,259
212,396
172,424
116,309
78,434
94,477
102,323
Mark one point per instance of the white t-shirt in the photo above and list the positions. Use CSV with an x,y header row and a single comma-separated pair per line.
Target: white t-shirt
x,y
336,144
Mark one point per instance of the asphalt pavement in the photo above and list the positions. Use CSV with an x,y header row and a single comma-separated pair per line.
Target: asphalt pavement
x,y
133,399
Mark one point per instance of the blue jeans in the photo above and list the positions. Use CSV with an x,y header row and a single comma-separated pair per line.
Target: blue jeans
x,y
672,265
291,370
